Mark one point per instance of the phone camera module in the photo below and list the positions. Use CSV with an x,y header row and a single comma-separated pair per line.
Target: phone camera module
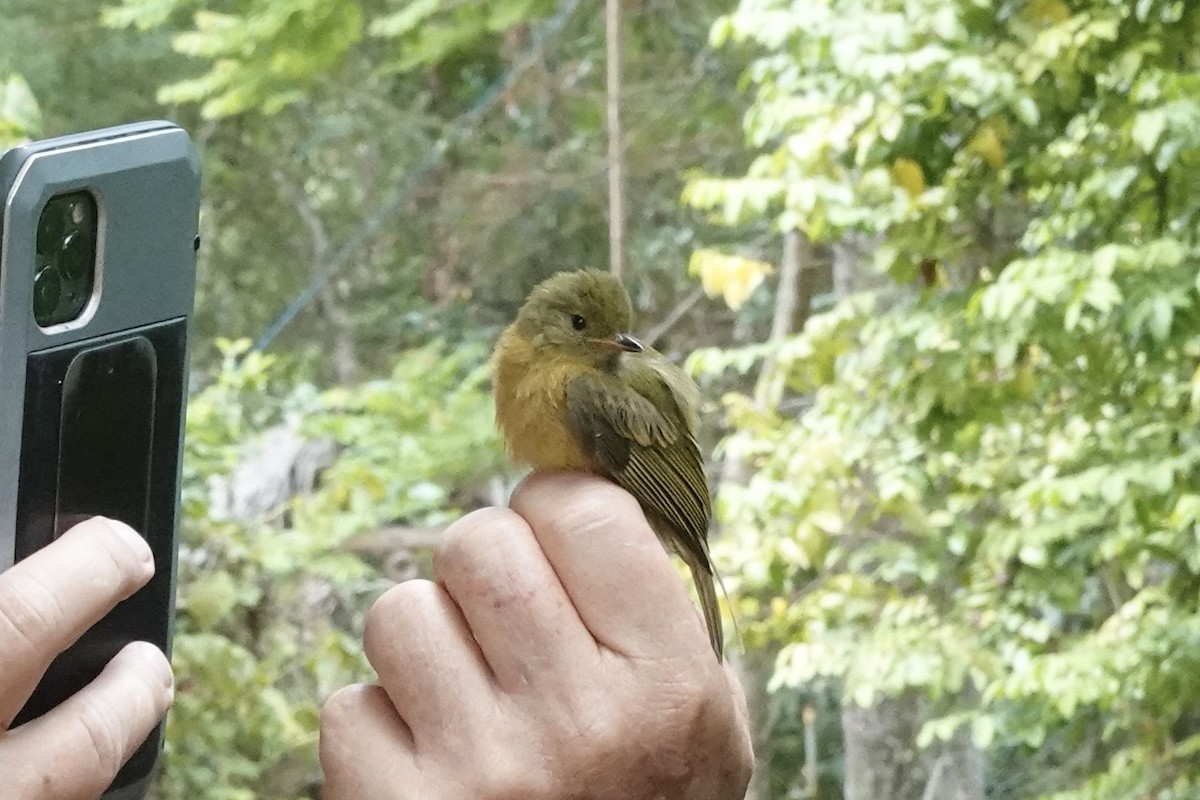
x,y
66,258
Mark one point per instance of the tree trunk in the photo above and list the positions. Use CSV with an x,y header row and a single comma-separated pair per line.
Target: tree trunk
x,y
852,265
814,271
331,304
616,187
755,673
882,759
786,295
787,300
345,351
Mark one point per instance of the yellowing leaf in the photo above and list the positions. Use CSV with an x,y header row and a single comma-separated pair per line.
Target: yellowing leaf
x,y
1026,381
988,143
732,277
1047,12
909,175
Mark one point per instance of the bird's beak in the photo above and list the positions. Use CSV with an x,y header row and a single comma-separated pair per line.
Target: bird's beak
x,y
622,342
627,343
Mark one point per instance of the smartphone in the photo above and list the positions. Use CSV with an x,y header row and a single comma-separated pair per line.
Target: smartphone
x,y
98,241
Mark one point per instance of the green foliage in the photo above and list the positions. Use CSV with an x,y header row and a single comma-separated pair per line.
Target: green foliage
x,y
251,662
20,117
427,32
411,443
83,76
292,176
992,497
265,54
270,611
283,192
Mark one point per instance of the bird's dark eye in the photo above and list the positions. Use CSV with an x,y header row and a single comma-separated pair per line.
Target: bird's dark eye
x,y
578,322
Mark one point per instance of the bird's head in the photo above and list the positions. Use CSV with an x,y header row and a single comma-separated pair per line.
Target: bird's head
x,y
582,315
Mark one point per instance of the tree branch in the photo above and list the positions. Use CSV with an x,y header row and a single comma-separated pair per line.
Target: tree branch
x,y
616,192
673,317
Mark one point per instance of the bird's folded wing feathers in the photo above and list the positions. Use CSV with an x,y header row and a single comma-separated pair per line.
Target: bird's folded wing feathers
x,y
651,454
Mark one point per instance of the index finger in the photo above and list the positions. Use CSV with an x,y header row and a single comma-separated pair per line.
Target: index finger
x,y
617,574
50,598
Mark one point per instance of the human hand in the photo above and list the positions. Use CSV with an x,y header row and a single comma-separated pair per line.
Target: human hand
x,y
557,656
46,602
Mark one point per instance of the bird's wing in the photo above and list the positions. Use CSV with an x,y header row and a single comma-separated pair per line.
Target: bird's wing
x,y
643,440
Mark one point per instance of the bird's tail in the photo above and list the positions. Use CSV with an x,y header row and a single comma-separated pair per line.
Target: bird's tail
x,y
704,578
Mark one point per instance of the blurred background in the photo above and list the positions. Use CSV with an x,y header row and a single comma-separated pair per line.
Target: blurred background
x,y
933,262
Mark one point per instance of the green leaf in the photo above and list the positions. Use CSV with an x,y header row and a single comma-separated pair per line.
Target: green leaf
x,y
20,115
406,20
1163,312
1148,127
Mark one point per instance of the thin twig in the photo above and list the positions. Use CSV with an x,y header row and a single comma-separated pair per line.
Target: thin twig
x,y
676,314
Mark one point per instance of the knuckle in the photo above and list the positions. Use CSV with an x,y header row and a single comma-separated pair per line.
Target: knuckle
x,y
603,505
597,725
382,610
508,777
340,732
475,536
592,729
688,701
339,713
102,727
391,616
29,611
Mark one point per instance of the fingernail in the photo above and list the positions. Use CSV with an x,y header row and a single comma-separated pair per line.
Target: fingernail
x,y
154,657
132,538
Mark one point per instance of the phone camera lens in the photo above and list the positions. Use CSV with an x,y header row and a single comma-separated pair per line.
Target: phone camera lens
x,y
77,255
50,231
47,288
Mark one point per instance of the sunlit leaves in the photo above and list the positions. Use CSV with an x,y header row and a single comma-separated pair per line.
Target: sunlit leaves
x,y
270,610
265,60
228,701
1012,459
731,277
427,32
406,439
262,55
250,656
20,116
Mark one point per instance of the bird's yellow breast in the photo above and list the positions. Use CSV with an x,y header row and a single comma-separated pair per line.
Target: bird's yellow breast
x,y
531,405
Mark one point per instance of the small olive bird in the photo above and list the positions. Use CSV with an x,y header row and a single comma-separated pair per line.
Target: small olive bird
x,y
575,391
